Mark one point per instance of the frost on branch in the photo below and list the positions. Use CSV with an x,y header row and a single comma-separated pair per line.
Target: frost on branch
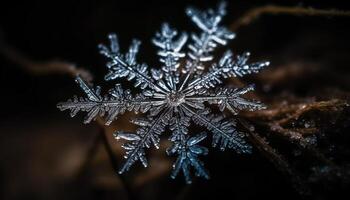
x,y
174,95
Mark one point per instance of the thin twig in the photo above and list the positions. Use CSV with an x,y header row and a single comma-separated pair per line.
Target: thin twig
x,y
299,140
304,108
60,67
284,114
278,117
255,13
42,67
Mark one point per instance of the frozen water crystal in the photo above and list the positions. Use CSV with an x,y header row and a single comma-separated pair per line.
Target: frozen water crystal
x,y
175,94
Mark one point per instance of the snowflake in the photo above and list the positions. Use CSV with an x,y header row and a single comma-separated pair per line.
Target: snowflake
x,y
173,96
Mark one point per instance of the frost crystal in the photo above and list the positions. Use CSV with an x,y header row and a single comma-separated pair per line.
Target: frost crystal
x,y
177,93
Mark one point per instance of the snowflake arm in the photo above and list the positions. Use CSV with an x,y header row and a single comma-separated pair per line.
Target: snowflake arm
x,y
125,65
179,126
224,132
146,135
228,98
116,103
170,54
170,49
205,43
211,36
226,67
188,152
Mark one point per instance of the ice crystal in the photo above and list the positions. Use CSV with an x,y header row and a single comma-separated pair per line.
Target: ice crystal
x,y
177,93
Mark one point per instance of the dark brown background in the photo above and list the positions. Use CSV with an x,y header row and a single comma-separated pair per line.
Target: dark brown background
x,y
41,148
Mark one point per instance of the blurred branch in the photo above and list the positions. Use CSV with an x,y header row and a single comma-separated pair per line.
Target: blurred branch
x,y
41,67
304,108
283,114
255,13
275,158
278,119
90,154
60,67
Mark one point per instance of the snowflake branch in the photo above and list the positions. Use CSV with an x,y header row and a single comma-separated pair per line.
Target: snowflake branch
x,y
126,66
188,152
170,54
227,67
228,98
148,133
212,34
224,131
178,126
95,104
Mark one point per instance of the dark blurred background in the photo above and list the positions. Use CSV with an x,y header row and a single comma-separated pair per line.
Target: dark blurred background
x,y
42,149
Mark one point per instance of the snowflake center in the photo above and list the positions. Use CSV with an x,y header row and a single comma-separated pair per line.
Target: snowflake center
x,y
176,98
